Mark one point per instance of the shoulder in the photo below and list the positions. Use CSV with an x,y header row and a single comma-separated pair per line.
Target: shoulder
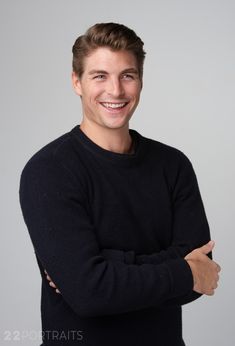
x,y
165,154
56,160
168,162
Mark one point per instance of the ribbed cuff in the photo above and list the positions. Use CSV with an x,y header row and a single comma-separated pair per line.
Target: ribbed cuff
x,y
143,259
114,255
127,257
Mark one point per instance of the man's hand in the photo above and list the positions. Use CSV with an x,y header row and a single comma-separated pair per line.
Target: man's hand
x,y
204,270
51,283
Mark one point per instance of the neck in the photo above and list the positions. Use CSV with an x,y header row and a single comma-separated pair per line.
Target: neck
x,y
115,140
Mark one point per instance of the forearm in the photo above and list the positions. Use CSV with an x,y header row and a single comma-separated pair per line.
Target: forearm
x,y
172,252
131,257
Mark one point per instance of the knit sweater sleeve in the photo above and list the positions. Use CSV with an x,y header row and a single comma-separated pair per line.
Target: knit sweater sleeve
x,y
55,210
190,227
129,257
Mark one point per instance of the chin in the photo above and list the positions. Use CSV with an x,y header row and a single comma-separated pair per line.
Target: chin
x,y
117,125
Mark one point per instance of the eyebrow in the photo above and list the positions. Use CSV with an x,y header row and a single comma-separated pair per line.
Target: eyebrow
x,y
128,70
131,70
97,72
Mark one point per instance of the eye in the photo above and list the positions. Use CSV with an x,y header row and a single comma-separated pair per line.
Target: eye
x,y
99,77
128,76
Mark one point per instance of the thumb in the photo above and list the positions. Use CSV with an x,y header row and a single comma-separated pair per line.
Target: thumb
x,y
205,249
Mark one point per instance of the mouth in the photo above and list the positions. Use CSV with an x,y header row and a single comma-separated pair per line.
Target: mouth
x,y
114,106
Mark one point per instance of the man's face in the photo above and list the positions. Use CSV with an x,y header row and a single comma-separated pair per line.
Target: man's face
x,y
109,87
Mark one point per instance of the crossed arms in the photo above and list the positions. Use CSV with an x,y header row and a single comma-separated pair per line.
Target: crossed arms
x,y
95,281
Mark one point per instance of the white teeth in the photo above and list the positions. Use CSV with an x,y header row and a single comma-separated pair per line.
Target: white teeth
x,y
113,105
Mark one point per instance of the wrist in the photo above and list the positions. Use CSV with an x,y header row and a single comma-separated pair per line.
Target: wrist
x,y
192,267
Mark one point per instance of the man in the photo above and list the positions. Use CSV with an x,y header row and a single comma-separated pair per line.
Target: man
x,y
116,219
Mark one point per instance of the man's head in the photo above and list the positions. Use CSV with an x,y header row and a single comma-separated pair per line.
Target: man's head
x,y
107,75
114,36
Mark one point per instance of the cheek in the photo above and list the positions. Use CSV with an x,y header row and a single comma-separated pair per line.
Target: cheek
x,y
134,90
135,94
95,93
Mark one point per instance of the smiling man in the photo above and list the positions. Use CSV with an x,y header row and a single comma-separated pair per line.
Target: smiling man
x,y
110,95
116,219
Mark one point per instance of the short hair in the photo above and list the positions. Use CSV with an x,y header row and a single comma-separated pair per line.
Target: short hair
x,y
112,35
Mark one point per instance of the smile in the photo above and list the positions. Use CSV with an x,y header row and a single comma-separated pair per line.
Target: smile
x,y
109,105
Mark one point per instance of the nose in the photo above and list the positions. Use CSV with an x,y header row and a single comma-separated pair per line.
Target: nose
x,y
115,87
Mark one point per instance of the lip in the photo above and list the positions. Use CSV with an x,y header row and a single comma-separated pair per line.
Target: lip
x,y
114,110
112,101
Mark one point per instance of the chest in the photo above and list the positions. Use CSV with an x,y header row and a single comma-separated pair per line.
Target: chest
x,y
131,209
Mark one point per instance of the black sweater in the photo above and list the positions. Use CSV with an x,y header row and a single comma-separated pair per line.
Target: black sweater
x,y
112,231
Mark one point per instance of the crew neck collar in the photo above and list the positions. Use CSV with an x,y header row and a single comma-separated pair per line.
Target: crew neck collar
x,y
116,158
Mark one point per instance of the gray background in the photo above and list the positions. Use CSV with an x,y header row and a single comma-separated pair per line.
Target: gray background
x,y
187,102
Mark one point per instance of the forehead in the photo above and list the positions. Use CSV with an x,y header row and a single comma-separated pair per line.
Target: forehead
x,y
104,58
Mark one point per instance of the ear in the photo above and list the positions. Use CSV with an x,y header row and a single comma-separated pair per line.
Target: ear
x,y
76,84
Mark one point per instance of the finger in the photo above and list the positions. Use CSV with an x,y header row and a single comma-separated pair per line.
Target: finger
x,y
57,291
210,292
217,267
48,278
52,284
215,286
207,248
